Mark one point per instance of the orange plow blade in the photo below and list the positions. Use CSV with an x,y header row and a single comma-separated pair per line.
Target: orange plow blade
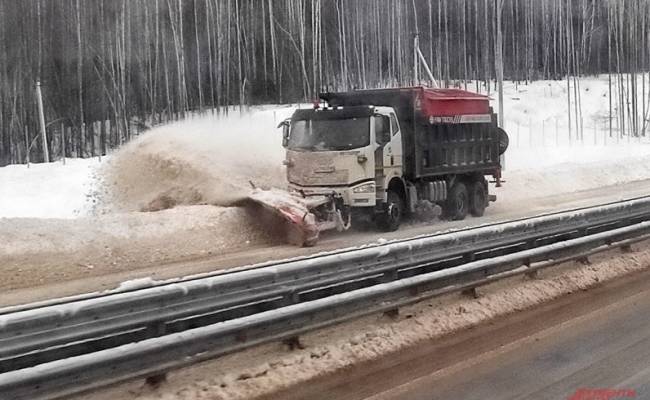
x,y
293,210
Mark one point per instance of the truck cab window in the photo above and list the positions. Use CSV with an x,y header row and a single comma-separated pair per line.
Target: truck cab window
x,y
394,127
335,134
382,129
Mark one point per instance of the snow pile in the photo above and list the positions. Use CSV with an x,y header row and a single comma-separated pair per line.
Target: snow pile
x,y
135,284
53,190
572,169
35,251
207,160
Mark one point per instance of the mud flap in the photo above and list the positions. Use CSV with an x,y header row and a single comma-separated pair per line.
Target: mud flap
x,y
302,229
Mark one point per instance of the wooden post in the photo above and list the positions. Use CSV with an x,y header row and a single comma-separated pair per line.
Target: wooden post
x,y
109,135
63,143
97,140
41,118
103,148
28,147
70,135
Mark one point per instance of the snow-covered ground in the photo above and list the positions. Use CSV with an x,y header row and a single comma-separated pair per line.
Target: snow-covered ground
x,y
210,159
51,190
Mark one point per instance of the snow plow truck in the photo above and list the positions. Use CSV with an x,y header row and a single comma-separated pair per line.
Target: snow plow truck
x,y
381,153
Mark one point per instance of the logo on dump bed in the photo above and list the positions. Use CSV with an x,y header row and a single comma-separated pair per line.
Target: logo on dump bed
x,y
461,119
603,394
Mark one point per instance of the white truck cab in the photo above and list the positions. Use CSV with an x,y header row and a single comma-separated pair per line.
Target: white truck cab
x,y
348,153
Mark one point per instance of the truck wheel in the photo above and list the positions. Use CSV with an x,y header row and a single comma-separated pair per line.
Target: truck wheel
x,y
457,202
478,198
391,218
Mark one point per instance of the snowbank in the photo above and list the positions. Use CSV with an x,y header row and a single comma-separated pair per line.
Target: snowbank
x,y
568,170
51,190
37,251
205,160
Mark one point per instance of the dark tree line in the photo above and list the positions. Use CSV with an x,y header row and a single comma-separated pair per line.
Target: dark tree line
x,y
125,61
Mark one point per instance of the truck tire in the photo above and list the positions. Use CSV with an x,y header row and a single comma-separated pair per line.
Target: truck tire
x,y
457,202
504,141
391,218
478,198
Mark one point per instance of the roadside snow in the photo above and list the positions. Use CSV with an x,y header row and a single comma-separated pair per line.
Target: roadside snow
x,y
51,190
134,284
566,170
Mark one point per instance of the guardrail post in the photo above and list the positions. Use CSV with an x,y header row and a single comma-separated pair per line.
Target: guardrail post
x,y
157,328
471,292
469,257
393,313
532,274
293,343
390,276
156,380
626,248
295,297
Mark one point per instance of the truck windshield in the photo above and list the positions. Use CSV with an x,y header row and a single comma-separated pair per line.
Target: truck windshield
x,y
329,134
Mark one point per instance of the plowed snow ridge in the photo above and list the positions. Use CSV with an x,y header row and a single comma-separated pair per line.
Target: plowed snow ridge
x,y
209,160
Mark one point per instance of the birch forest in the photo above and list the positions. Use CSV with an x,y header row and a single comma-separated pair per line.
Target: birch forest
x,y
110,67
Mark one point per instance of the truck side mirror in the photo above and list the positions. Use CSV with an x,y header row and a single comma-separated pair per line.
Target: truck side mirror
x,y
285,131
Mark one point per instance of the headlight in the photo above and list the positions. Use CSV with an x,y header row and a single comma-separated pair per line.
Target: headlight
x,y
365,188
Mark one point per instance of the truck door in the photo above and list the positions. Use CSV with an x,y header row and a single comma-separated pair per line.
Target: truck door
x,y
382,139
393,153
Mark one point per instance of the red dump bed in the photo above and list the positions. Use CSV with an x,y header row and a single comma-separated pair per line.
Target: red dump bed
x,y
451,102
444,131
429,102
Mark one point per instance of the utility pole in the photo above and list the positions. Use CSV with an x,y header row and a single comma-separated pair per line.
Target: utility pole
x,y
418,58
41,117
499,59
416,64
498,56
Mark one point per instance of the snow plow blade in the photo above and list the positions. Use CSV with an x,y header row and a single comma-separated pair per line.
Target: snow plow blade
x,y
301,226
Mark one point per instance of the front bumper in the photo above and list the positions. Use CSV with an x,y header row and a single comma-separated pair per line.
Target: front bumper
x,y
350,197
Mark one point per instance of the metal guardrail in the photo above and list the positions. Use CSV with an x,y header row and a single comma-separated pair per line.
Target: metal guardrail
x,y
52,351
